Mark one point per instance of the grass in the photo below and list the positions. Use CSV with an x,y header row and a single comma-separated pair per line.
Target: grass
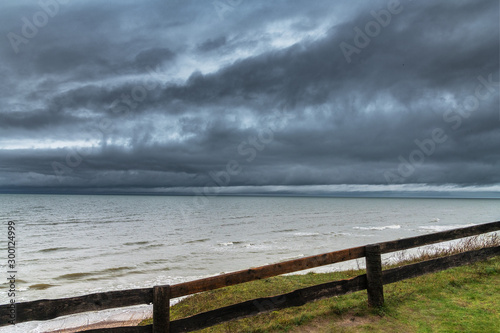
x,y
463,299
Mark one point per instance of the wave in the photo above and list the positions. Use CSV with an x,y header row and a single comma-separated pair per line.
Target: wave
x,y
119,274
136,243
156,261
225,244
437,228
116,269
285,230
89,276
153,246
73,276
237,217
230,243
306,234
298,256
393,226
197,241
339,234
53,249
42,286
6,283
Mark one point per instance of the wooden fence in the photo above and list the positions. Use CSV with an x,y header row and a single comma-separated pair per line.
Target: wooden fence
x,y
160,296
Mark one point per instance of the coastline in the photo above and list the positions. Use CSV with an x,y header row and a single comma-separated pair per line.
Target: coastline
x,y
106,324
132,316
128,316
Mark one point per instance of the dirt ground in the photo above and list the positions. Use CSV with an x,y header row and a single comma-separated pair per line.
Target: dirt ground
x,y
325,325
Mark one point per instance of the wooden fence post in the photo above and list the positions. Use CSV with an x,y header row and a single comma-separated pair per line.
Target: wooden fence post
x,y
161,309
375,285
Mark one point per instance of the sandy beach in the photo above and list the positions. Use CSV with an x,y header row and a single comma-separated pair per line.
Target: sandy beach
x,y
105,324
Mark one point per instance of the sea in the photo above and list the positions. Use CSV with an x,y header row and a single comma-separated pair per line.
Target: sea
x,y
71,245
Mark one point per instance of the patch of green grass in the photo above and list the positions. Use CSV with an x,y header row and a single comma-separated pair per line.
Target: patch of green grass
x,y
463,299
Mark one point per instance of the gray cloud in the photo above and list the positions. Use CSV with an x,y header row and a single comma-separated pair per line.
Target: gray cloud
x,y
212,44
153,57
171,94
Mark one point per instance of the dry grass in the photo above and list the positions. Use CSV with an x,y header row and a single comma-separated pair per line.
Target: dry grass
x,y
437,251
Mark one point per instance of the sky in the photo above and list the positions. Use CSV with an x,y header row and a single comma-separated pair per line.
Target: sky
x,y
250,97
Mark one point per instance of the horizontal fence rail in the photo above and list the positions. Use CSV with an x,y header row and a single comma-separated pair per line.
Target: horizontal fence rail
x,y
160,296
263,272
52,308
437,237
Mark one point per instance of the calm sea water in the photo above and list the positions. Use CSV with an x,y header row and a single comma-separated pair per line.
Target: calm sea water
x,y
75,245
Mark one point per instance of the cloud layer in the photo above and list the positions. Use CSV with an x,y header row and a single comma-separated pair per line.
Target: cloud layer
x,y
181,94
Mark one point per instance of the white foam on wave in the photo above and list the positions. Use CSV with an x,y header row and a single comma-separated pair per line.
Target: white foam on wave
x,y
306,234
437,228
237,243
393,226
336,234
298,256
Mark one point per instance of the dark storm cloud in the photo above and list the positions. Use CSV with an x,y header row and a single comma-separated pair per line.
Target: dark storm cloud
x,y
212,44
153,57
179,94
60,60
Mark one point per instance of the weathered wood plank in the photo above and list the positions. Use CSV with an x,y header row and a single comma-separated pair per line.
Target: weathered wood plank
x,y
262,272
161,309
439,264
267,304
375,287
408,243
125,329
53,308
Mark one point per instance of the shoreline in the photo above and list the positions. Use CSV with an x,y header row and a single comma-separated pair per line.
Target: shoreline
x,y
131,316
118,317
106,324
